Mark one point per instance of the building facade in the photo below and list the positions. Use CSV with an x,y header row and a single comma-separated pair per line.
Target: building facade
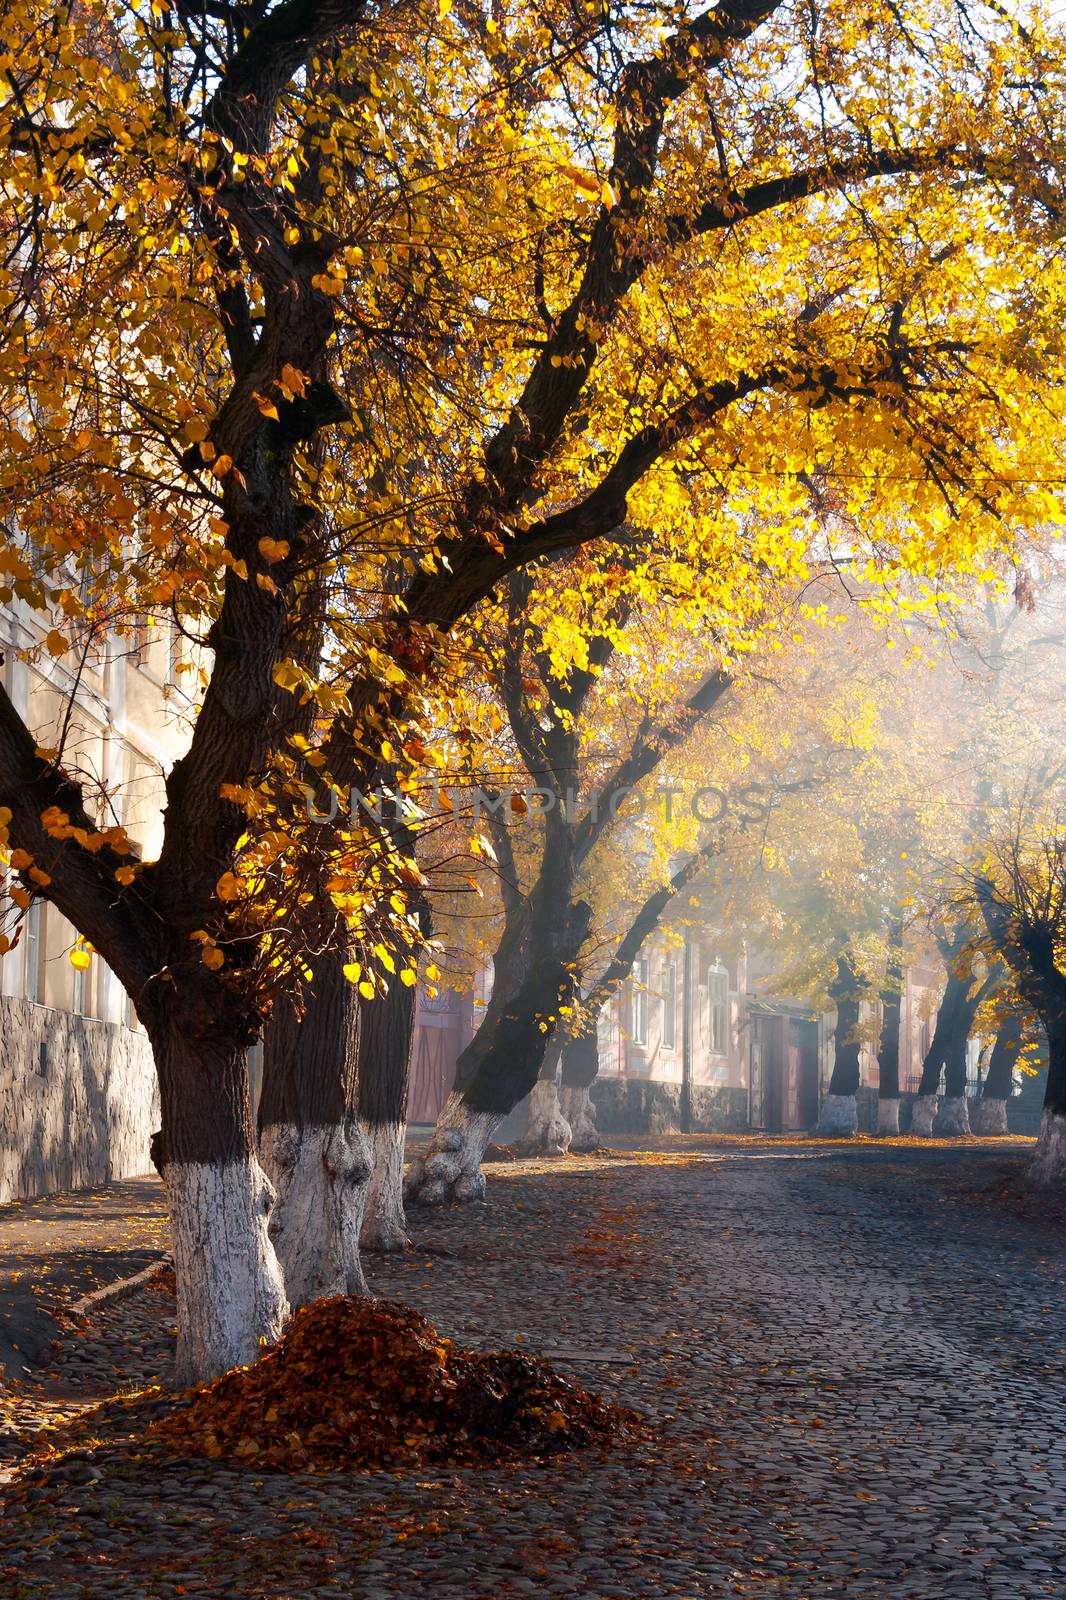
x,y
78,1096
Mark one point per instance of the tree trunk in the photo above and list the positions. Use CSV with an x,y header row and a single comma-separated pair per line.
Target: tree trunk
x,y
888,1115
952,1019
231,1295
1048,1165
839,1112
508,1062
888,1050
990,1111
1030,953
954,1119
385,1037
924,1115
310,1140
549,1131
581,1063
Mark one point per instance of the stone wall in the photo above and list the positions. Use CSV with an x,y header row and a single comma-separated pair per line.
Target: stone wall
x,y
637,1105
78,1100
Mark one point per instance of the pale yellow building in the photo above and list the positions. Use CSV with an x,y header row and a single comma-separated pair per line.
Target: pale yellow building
x,y
78,1100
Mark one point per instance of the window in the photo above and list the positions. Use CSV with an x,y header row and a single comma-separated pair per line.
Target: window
x,y
81,991
670,1005
718,1002
31,951
638,1026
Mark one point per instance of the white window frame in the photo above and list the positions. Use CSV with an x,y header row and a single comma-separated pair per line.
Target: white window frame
x,y
82,992
669,1028
638,1009
717,1010
32,939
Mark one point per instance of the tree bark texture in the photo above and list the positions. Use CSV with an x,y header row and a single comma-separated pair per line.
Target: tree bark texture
x,y
310,1139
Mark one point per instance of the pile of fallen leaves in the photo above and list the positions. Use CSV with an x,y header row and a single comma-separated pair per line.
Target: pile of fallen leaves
x,y
358,1384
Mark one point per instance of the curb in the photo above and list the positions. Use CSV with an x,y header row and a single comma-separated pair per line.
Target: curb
x,y
121,1286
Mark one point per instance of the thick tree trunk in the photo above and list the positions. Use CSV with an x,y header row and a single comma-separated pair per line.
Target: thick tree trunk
x,y
989,1113
384,1223
310,1141
988,1118
450,1169
547,1128
230,1292
838,1116
924,1115
948,1043
887,1115
954,1119
385,1037
581,1063
548,1132
508,1063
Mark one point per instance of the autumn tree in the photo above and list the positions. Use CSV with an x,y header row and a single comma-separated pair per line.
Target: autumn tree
x,y
299,346
565,716
1021,893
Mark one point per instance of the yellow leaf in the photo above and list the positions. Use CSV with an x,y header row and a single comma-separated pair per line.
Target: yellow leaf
x,y
273,549
222,466
409,977
366,990
196,429
444,7
352,970
228,887
79,958
293,378
266,405
56,643
287,675
212,957
125,875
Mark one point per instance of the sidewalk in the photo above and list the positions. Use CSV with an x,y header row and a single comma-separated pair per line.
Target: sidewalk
x,y
56,1249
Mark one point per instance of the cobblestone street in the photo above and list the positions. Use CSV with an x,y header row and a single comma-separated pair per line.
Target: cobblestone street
x,y
856,1367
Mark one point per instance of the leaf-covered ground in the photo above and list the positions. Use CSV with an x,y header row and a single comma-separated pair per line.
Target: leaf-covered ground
x,y
855,1366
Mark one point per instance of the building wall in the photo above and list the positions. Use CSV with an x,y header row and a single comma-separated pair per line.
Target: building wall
x,y
78,1100
78,1094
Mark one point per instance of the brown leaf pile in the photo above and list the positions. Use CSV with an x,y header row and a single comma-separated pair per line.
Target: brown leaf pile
x,y
362,1384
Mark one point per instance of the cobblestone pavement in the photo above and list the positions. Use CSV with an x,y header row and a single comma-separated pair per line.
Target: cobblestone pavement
x,y
857,1371
54,1250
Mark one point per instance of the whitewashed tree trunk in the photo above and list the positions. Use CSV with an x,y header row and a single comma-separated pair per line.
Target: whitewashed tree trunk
x,y
450,1169
384,1223
954,1119
924,1115
888,1116
989,1117
231,1296
548,1131
1049,1162
321,1176
580,1112
839,1116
